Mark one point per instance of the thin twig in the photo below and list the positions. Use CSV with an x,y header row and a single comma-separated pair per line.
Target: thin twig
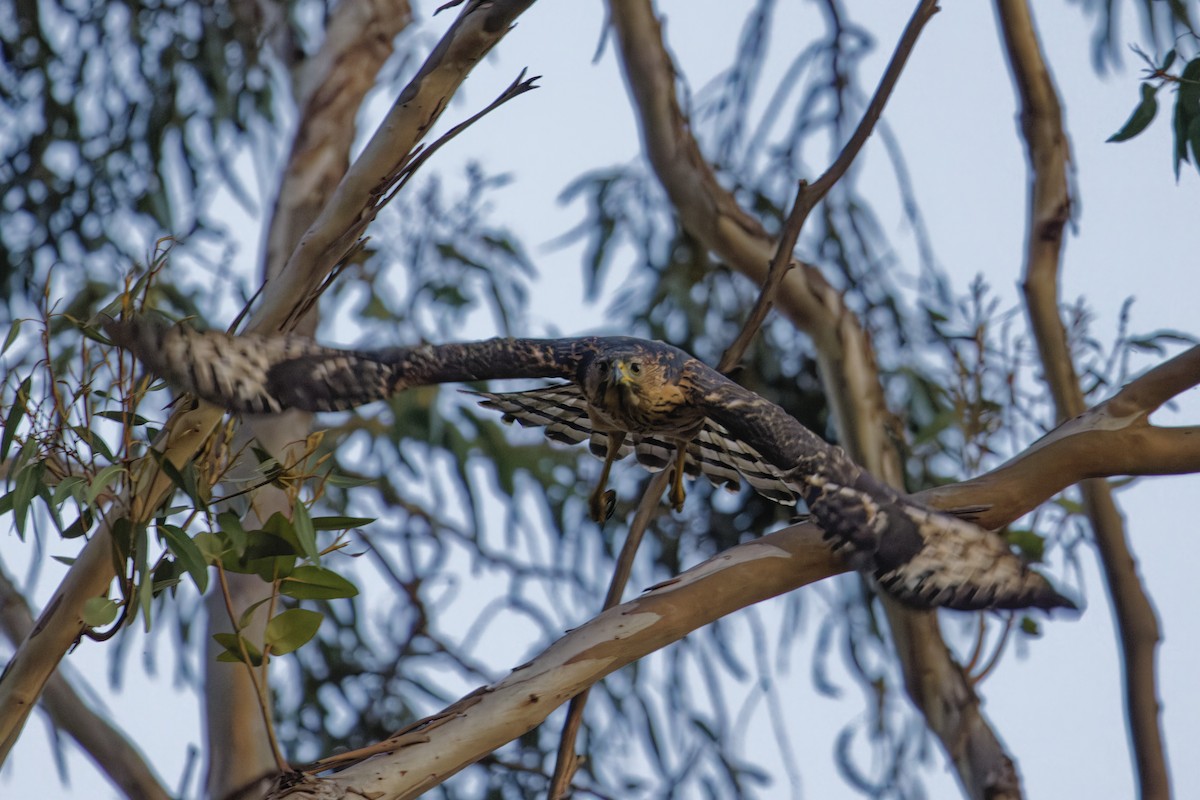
x,y
781,263
810,194
980,641
259,688
567,762
350,240
518,87
997,651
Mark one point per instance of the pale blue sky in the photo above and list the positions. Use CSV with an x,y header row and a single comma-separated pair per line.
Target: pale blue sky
x,y
1058,707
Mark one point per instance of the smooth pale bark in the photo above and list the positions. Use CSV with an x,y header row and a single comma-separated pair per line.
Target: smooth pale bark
x,y
422,756
481,24
330,89
1050,204
107,746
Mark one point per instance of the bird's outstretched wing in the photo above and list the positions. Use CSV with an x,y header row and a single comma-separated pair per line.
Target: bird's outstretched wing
x,y
921,556
253,373
267,373
562,411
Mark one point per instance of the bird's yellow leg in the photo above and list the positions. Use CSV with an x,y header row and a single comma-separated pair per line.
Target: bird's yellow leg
x,y
677,494
602,503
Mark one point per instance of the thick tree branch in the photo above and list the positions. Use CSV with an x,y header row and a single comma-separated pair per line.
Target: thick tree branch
x,y
711,214
430,751
480,25
567,762
109,748
1049,210
847,367
468,730
330,89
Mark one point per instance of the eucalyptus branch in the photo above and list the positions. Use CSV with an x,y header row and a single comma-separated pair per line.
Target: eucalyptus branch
x,y
466,731
260,685
350,241
479,27
104,743
1050,207
846,363
809,195
567,762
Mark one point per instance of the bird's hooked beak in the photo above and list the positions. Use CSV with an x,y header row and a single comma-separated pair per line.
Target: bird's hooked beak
x,y
619,388
621,374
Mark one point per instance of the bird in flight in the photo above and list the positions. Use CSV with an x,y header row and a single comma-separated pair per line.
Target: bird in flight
x,y
623,394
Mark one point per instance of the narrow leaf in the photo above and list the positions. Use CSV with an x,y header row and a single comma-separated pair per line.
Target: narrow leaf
x,y
25,488
101,482
14,418
128,419
12,335
233,530
1142,116
233,645
1193,135
248,615
72,486
187,553
340,523
79,527
184,479
306,534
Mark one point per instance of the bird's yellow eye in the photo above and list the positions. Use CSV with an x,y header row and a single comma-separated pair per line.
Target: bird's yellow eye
x,y
635,367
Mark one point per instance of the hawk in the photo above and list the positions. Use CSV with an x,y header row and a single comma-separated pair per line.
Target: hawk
x,y
624,394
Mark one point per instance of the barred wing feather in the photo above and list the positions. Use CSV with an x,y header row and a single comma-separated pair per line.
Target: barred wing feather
x,y
562,410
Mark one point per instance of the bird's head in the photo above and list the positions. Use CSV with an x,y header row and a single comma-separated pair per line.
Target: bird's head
x,y
635,390
615,382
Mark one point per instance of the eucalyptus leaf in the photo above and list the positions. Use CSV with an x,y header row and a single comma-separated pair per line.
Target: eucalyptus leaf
x,y
292,629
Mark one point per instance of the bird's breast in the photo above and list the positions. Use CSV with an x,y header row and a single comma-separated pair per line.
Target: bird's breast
x,y
623,408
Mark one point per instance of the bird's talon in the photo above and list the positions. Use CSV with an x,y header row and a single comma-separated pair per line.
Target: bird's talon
x,y
677,495
602,505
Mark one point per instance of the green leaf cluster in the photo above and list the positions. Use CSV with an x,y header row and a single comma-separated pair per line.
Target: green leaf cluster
x,y
1186,116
